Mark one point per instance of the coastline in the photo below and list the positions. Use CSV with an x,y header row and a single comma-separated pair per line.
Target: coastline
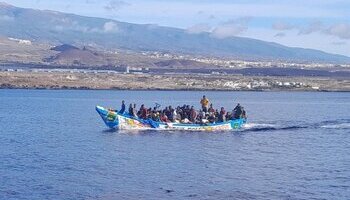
x,y
165,90
168,82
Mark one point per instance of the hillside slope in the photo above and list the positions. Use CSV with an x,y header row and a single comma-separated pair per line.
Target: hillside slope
x,y
59,28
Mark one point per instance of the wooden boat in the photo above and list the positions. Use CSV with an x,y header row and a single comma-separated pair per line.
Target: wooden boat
x,y
116,120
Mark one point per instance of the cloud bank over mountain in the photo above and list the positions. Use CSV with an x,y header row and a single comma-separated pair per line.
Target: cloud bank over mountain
x,y
316,24
57,28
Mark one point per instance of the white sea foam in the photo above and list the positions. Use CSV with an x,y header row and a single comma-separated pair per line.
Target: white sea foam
x,y
337,126
258,125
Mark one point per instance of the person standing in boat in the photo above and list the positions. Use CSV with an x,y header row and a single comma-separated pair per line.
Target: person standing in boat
x,y
204,102
122,110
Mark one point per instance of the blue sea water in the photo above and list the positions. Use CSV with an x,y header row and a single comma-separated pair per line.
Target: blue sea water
x,y
53,145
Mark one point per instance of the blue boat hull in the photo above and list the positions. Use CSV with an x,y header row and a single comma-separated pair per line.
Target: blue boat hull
x,y
121,121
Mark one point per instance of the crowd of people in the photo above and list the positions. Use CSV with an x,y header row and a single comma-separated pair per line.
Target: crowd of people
x,y
185,114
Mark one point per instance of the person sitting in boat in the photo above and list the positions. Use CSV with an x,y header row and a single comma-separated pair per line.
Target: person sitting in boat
x,y
155,116
193,115
130,110
204,119
200,117
175,115
164,118
211,109
228,115
237,111
244,114
134,112
211,117
186,110
149,113
184,115
166,112
122,110
216,115
204,102
222,115
233,114
143,112
171,115
178,114
185,121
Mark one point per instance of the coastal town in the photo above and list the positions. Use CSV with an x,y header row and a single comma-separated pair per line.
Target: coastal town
x,y
236,63
78,79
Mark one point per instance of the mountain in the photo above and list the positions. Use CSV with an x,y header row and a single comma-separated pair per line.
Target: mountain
x,y
61,28
64,47
69,54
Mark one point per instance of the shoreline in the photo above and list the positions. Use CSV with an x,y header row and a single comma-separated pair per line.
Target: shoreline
x,y
169,82
169,90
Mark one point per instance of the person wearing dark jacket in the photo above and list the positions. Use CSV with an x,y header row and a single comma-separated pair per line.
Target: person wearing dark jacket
x,y
122,110
131,110
238,111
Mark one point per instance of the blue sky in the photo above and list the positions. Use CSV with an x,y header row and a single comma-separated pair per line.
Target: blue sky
x,y
317,24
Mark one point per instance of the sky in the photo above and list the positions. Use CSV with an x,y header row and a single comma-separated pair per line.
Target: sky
x,y
316,24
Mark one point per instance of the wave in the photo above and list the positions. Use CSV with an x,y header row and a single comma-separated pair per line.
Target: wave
x,y
340,124
256,127
337,126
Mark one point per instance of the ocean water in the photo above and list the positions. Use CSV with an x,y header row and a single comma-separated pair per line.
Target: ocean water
x,y
296,145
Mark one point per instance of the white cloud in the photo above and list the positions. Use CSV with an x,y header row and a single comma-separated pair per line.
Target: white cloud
x,y
341,30
110,27
182,14
184,10
66,24
116,5
316,40
311,28
231,28
226,31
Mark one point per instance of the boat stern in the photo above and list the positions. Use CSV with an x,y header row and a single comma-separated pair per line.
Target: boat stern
x,y
237,123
